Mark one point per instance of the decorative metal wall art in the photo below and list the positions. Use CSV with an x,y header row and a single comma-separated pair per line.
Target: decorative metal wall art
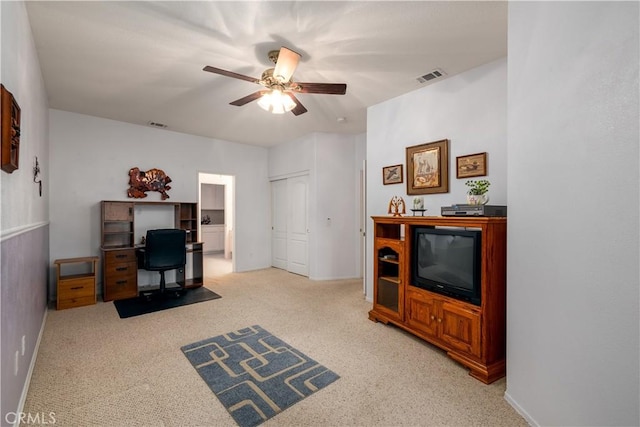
x,y
152,180
36,174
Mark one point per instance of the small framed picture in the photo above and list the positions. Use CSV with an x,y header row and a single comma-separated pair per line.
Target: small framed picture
x,y
392,174
471,165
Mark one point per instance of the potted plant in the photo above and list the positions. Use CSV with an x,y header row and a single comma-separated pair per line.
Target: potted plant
x,y
477,193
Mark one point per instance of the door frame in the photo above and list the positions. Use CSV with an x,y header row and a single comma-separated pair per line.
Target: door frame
x,y
229,182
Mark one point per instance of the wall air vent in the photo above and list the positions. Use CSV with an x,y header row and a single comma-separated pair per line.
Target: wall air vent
x,y
157,125
432,75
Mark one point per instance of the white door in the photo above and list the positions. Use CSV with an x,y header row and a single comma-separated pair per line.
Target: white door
x,y
279,211
290,224
298,225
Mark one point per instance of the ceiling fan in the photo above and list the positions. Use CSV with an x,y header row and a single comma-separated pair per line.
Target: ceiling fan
x,y
279,89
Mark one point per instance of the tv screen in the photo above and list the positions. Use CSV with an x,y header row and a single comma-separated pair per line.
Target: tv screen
x,y
447,261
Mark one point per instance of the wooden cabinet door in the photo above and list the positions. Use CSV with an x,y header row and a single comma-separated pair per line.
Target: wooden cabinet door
x,y
388,274
460,328
218,197
422,312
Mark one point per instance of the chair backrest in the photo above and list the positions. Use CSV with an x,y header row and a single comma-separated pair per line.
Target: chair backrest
x,y
165,249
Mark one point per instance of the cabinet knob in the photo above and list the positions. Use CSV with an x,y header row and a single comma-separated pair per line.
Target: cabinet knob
x,y
439,320
433,317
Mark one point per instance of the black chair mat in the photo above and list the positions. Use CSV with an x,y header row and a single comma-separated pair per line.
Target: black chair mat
x,y
141,305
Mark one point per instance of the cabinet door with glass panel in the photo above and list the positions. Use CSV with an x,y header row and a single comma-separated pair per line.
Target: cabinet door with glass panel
x,y
388,298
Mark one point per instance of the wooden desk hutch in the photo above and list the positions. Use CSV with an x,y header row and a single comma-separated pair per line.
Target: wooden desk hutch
x,y
120,267
473,335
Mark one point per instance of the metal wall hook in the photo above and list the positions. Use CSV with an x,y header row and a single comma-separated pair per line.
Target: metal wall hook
x,y
36,173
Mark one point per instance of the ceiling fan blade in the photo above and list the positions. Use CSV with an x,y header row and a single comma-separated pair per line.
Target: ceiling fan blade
x,y
286,64
247,99
325,88
230,74
299,108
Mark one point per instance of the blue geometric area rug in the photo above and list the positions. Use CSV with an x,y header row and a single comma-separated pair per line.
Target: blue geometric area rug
x,y
254,374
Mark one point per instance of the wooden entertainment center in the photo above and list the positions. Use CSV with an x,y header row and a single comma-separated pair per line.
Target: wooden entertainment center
x,y
473,335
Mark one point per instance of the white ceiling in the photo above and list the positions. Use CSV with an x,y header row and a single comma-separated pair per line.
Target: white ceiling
x,y
141,62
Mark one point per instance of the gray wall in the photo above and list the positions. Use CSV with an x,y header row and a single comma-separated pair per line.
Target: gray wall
x,y
24,214
573,245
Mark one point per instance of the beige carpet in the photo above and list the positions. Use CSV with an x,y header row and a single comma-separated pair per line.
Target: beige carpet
x,y
95,369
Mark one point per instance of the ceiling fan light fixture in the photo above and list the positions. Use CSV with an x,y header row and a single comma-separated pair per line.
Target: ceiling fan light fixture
x,y
279,93
276,102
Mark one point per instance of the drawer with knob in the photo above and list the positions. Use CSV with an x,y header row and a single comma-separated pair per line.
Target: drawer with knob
x,y
120,273
76,282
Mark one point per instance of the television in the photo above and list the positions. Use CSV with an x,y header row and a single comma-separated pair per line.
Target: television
x,y
447,261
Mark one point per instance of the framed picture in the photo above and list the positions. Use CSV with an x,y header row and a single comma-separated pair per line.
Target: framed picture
x,y
471,165
428,168
9,131
392,174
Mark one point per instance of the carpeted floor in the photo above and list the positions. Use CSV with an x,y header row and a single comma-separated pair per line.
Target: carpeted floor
x,y
95,369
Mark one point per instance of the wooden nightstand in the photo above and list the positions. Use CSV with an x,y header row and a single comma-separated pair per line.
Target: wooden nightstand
x,y
76,290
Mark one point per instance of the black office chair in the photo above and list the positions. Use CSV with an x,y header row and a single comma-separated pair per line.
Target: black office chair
x,y
165,249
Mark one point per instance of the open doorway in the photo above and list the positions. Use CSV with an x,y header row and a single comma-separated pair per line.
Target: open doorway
x,y
216,196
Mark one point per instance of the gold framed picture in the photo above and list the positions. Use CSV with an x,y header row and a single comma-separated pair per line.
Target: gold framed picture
x,y
471,165
392,174
428,168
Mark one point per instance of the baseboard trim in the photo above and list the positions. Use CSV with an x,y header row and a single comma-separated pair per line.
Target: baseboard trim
x,y
320,278
34,356
520,410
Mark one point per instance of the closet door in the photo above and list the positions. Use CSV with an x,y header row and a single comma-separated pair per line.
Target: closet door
x,y
298,225
290,224
279,224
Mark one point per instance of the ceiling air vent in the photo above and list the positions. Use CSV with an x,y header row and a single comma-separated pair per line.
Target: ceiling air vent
x,y
157,125
432,75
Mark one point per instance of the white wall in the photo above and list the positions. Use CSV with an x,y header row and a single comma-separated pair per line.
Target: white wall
x,y
90,160
330,160
335,208
469,109
573,245
291,158
21,204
